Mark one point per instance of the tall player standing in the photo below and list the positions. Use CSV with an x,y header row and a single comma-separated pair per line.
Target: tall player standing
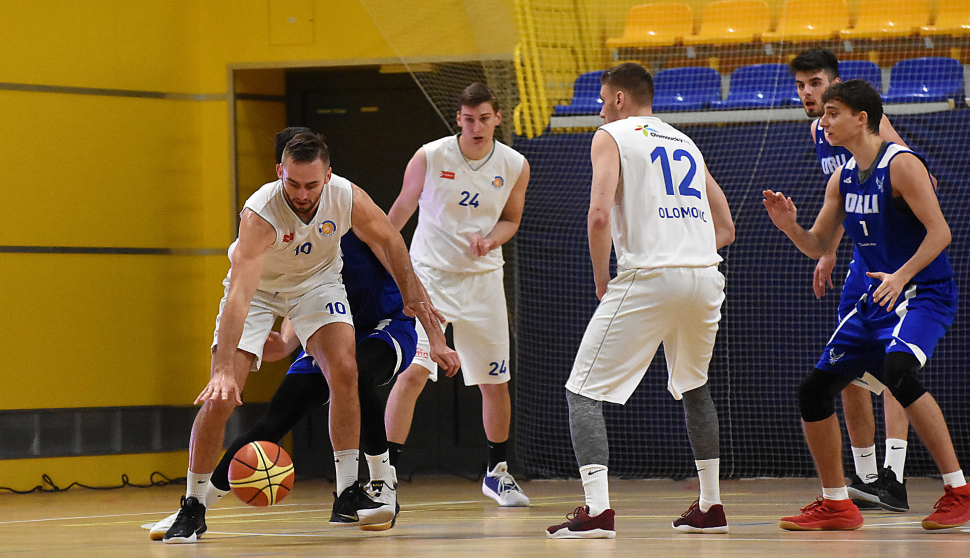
x,y
286,262
814,71
471,191
655,202
885,199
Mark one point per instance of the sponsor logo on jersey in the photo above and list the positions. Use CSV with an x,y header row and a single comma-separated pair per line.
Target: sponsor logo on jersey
x,y
862,203
421,353
651,133
287,238
833,358
498,182
447,174
327,228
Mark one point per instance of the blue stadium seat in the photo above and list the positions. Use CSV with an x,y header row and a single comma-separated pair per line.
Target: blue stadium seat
x,y
760,86
861,69
586,96
691,88
923,80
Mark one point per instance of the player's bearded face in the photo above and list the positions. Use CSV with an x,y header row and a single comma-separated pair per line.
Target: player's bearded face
x,y
303,184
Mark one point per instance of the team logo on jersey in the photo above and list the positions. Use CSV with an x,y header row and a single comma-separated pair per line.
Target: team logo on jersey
x,y
833,358
879,181
447,174
498,182
862,203
287,238
327,228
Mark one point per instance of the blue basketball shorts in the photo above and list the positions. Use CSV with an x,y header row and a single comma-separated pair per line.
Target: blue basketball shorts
x,y
398,332
856,285
923,313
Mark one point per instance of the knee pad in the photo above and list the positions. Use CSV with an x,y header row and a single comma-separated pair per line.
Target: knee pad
x,y
816,394
901,371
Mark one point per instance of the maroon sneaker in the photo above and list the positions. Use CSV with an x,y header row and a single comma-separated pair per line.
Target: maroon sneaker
x,y
952,510
695,521
580,525
825,515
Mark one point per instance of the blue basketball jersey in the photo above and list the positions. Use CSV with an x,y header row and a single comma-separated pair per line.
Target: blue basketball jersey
x,y
884,229
830,157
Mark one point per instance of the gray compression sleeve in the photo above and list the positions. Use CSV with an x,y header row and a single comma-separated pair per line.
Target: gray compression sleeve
x,y
702,425
588,429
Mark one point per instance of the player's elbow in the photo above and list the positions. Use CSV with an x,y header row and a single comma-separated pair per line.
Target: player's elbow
x,y
598,219
724,234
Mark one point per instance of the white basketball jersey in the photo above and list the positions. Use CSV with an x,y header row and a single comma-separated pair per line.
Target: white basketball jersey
x,y
661,216
458,201
303,254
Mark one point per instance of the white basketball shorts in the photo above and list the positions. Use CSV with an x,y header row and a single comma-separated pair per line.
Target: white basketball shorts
x,y
677,306
474,303
309,310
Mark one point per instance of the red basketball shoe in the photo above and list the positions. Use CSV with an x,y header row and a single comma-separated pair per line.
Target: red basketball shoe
x,y
825,515
952,510
580,525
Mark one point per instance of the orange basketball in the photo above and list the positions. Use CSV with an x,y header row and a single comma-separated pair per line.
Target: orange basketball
x,y
261,474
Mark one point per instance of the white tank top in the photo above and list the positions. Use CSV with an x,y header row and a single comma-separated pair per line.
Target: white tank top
x,y
303,254
458,202
661,216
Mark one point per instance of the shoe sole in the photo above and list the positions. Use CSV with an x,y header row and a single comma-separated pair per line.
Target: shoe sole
x,y
792,526
705,530
933,526
182,540
858,495
591,534
491,494
892,508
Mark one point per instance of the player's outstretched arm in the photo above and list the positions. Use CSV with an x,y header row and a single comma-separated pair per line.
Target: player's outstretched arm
x,y
911,180
508,221
720,212
606,177
256,235
280,345
374,228
813,243
407,201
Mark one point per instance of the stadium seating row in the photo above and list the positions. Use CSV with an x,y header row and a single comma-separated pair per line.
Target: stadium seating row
x,y
770,85
741,21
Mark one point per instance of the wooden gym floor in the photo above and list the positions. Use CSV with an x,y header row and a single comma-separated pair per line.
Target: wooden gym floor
x,y
450,517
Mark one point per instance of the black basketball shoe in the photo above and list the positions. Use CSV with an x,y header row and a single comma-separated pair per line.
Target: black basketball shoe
x,y
355,507
892,493
864,495
189,524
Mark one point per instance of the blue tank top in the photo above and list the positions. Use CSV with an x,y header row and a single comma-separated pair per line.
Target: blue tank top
x,y
886,236
371,291
830,157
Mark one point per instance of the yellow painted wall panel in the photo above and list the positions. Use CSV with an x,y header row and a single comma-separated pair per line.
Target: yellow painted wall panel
x,y
85,170
98,471
107,330
148,45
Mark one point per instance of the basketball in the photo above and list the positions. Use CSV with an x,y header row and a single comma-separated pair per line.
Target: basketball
x,y
261,474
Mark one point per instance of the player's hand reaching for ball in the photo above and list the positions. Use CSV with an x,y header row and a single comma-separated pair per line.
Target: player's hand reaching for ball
x,y
481,246
221,387
781,209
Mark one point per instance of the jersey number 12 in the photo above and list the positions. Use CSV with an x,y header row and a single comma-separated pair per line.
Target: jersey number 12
x,y
684,188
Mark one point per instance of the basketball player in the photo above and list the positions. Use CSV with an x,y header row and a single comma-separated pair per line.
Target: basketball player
x,y
668,217
884,197
471,190
386,341
286,262
814,70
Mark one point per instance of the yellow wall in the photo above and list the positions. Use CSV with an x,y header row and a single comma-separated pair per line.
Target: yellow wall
x,y
88,161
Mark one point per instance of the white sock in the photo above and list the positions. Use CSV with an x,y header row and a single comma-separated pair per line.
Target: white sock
x,y
896,456
955,479
196,484
840,493
347,464
212,495
596,485
379,467
708,473
865,463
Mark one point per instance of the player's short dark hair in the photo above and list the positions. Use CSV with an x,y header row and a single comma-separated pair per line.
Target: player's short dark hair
x,y
306,148
859,96
813,60
632,78
476,94
285,136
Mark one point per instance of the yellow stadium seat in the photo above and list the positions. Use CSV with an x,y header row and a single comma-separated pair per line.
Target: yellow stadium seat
x,y
655,25
882,19
952,18
810,20
732,21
